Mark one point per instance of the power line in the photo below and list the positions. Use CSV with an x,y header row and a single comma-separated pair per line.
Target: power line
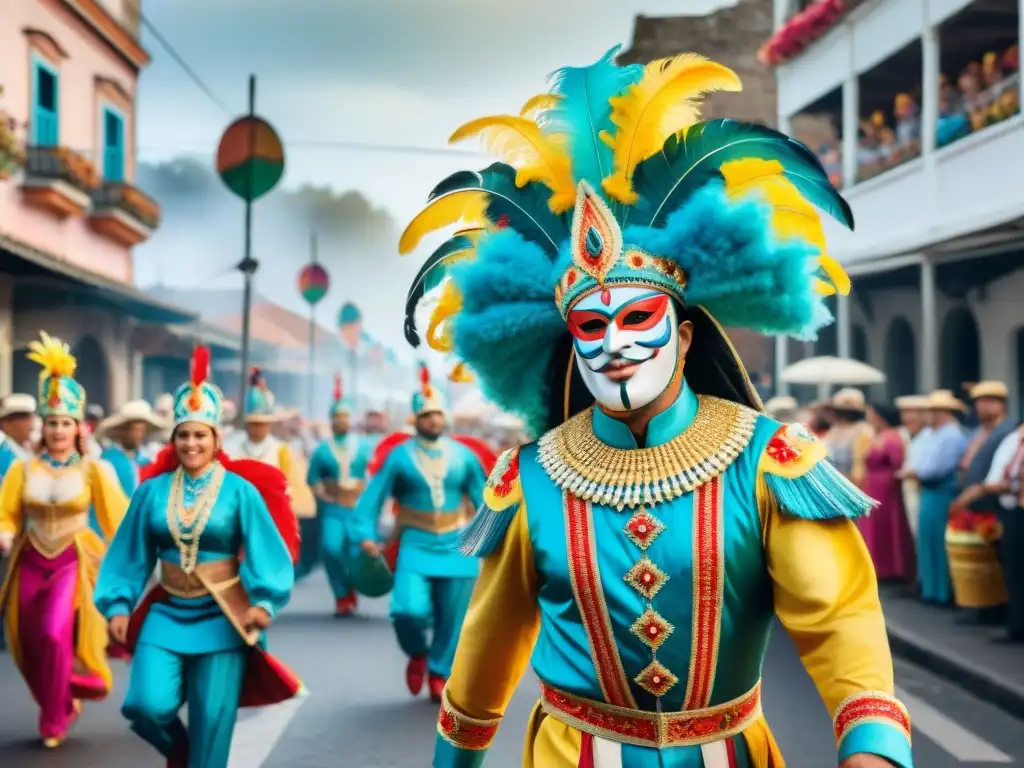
x,y
342,146
173,53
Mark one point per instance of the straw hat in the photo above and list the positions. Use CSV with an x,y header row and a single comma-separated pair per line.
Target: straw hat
x,y
132,411
17,405
781,404
996,389
849,399
912,403
944,400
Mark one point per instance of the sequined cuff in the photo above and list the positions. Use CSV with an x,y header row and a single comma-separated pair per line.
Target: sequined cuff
x,y
463,731
875,723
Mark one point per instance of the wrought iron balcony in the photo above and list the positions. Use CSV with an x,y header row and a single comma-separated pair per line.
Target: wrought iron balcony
x,y
58,180
124,213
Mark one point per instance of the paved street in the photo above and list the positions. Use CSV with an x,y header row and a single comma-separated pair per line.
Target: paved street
x,y
358,714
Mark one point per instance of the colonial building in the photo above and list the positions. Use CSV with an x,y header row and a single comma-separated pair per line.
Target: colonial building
x,y
69,212
925,101
730,36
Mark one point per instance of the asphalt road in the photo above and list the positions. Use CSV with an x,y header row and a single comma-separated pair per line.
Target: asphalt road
x,y
359,715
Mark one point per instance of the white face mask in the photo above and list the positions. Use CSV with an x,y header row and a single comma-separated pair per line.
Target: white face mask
x,y
627,345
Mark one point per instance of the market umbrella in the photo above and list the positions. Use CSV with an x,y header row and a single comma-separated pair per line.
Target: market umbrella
x,y
827,370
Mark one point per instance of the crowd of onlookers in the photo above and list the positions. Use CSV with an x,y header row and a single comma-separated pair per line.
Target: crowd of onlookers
x,y
947,480
986,92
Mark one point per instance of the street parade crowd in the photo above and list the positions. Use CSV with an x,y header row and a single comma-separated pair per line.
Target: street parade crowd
x,y
637,553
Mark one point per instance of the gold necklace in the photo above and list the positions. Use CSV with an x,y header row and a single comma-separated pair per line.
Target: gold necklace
x,y
434,470
187,525
578,462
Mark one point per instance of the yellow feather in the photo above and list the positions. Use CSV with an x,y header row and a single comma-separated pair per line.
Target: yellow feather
x,y
460,374
535,156
663,102
792,215
53,355
468,206
539,103
439,335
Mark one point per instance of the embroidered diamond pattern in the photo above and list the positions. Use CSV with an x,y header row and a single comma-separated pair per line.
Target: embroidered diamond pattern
x,y
646,578
652,628
643,528
656,679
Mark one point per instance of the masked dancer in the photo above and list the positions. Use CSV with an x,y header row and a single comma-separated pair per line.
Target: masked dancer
x,y
337,475
57,638
224,536
641,549
429,476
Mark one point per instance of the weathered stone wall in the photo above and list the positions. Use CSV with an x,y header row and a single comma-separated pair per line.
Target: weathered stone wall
x,y
730,36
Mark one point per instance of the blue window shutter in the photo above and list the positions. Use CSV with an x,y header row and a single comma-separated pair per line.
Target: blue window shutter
x,y
113,146
45,106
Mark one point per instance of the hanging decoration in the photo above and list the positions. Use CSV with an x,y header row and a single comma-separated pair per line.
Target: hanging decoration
x,y
350,323
314,282
803,29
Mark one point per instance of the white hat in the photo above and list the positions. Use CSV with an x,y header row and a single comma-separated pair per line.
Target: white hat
x,y
781,404
849,399
17,405
134,410
912,403
164,403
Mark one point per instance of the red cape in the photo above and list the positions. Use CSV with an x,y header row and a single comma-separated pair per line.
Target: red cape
x,y
487,457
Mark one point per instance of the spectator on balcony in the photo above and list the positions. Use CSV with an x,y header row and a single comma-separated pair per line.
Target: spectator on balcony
x,y
832,160
908,126
869,151
953,122
973,100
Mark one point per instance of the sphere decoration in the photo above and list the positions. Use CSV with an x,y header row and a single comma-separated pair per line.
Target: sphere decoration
x,y
350,323
314,283
250,158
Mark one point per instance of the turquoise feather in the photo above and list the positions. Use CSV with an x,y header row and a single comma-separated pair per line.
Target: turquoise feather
x,y
822,493
666,181
524,209
583,112
433,271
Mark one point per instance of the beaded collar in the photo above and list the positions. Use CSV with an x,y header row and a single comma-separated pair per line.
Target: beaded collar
x,y
72,459
577,461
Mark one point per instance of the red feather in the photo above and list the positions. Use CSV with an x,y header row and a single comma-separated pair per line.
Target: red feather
x,y
384,449
255,377
483,452
200,365
269,481
337,387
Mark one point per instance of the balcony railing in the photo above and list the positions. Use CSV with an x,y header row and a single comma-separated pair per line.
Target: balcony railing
x,y
60,164
132,201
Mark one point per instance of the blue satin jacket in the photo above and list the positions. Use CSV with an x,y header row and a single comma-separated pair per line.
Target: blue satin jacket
x,y
325,465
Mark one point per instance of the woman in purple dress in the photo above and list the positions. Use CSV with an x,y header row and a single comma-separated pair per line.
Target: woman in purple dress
x,y
886,531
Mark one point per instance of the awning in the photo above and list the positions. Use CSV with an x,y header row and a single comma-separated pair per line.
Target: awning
x,y
211,335
31,262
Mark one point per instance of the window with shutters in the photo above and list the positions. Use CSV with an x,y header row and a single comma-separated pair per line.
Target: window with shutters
x,y
113,145
45,120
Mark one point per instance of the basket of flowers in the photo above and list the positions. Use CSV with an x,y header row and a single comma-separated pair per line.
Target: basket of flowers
x,y
973,564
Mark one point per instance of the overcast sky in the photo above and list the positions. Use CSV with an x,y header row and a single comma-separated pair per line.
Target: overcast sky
x,y
402,72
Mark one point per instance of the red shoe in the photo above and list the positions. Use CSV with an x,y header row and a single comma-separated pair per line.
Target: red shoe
x,y
436,685
343,606
415,674
353,599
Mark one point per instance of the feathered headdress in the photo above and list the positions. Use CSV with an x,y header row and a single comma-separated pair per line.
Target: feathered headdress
x,y
428,399
612,179
341,403
197,400
59,393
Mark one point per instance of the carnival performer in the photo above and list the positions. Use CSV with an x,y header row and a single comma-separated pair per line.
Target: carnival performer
x,y
641,549
129,431
429,477
56,637
224,537
337,475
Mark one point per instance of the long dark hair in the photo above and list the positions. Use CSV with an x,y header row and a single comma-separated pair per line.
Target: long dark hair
x,y
712,368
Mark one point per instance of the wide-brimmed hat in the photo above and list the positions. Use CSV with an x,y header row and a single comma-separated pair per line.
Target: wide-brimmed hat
x,y
996,389
945,400
849,399
781,404
912,403
132,411
17,405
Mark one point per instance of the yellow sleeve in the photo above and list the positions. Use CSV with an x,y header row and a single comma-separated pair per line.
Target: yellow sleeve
x,y
284,459
108,499
826,596
10,498
496,642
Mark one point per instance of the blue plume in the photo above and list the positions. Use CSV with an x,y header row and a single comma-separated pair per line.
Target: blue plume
x,y
509,323
584,112
736,268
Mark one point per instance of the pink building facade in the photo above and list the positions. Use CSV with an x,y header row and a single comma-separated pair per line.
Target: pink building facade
x,y
69,212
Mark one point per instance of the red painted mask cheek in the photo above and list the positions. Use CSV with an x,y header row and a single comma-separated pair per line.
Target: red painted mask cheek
x,y
585,325
642,315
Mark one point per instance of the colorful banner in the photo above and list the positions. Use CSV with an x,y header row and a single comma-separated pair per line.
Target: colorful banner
x,y
314,282
350,323
250,158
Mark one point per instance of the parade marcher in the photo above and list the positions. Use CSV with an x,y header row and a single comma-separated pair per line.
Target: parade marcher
x,y
934,468
57,638
224,536
914,416
17,417
639,551
429,477
128,432
337,475
375,426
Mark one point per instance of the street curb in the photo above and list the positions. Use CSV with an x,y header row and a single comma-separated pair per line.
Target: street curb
x,y
983,683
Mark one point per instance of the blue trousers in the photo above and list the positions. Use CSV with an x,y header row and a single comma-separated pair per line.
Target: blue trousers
x,y
338,551
162,682
309,547
420,604
932,560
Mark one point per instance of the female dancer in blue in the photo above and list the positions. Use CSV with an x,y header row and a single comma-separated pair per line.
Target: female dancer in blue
x,y
220,531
